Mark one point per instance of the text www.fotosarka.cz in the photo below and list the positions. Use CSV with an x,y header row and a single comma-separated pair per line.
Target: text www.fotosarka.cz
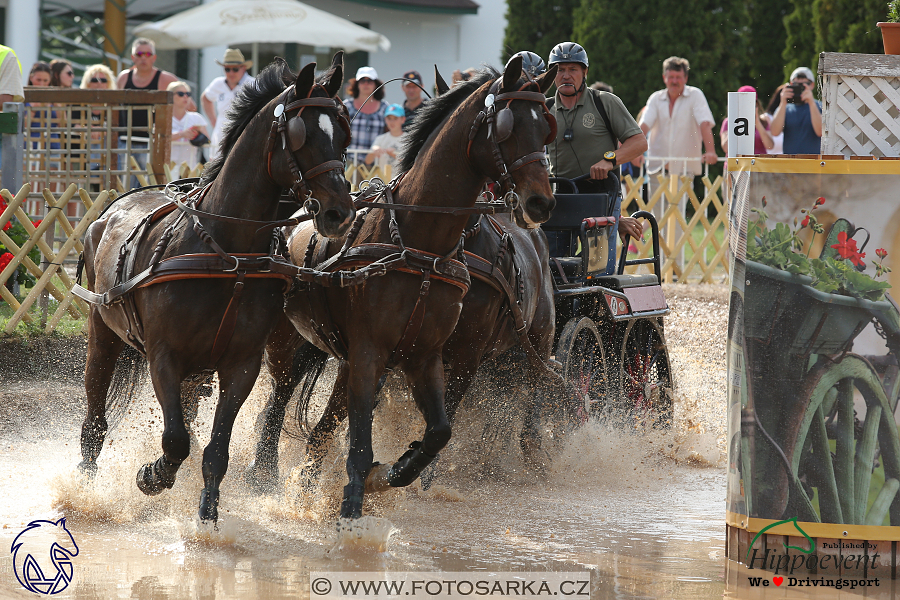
x,y
448,585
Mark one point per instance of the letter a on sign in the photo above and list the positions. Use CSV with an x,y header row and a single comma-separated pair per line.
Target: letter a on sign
x,y
741,123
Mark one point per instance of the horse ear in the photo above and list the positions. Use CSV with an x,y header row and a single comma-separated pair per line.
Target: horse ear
x,y
512,73
336,74
439,83
305,80
546,80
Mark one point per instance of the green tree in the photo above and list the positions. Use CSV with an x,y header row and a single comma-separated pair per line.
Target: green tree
x,y
537,25
766,41
815,26
627,43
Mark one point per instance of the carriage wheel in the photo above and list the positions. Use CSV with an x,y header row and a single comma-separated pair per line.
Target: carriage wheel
x,y
580,350
852,486
645,375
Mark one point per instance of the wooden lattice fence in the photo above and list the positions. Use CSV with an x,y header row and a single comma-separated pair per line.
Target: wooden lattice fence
x,y
707,262
861,104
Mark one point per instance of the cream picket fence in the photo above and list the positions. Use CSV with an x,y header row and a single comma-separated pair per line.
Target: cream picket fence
x,y
707,262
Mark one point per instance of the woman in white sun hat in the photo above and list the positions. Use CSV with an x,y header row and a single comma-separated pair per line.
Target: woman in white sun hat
x,y
366,122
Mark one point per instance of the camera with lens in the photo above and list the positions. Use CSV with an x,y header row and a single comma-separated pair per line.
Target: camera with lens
x,y
568,135
798,88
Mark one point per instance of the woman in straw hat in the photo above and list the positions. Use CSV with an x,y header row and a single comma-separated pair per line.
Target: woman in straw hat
x,y
218,96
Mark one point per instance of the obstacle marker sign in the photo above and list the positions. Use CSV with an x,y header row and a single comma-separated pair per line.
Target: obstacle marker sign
x,y
42,557
741,123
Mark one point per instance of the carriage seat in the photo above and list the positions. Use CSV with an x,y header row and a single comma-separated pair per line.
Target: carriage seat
x,y
621,282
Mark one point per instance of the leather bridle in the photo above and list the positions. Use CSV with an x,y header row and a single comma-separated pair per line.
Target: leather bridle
x,y
293,136
500,123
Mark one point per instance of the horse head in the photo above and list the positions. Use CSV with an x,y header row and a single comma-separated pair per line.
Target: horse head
x,y
42,555
509,140
312,132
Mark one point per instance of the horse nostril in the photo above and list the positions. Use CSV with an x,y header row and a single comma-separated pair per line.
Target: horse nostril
x,y
540,204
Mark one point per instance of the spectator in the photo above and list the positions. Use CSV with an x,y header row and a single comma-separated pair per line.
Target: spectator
x,y
462,75
10,77
96,77
40,75
774,103
762,140
220,93
186,126
387,145
61,73
800,115
413,93
366,118
602,86
678,118
142,76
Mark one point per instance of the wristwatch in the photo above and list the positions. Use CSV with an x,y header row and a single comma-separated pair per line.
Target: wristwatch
x,y
610,156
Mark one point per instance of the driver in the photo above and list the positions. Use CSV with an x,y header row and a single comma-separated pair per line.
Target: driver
x,y
590,129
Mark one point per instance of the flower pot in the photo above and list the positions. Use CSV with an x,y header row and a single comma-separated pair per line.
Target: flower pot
x,y
890,33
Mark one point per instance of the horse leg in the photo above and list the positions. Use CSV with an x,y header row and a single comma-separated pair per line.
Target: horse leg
x,y
360,404
320,438
426,382
104,347
154,477
458,380
236,384
281,350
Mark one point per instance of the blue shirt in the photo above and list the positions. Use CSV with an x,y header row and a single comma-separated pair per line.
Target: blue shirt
x,y
799,135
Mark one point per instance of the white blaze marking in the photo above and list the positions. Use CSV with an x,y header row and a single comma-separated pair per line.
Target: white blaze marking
x,y
534,113
325,124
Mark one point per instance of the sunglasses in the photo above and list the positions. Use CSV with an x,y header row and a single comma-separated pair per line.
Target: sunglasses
x,y
142,54
232,69
99,80
69,73
182,94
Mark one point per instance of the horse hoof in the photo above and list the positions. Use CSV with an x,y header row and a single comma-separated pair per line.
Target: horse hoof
x,y
88,468
260,479
151,481
378,478
209,505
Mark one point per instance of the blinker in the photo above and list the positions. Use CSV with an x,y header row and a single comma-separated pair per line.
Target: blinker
x,y
296,130
505,121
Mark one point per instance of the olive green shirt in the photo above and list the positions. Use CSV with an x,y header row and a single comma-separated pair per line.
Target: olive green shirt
x,y
590,136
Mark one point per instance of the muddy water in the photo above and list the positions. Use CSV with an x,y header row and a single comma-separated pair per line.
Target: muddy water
x,y
642,513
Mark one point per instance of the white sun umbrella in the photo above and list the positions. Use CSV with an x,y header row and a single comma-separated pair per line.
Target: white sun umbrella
x,y
234,22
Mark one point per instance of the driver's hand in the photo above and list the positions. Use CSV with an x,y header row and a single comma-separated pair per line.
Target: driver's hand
x,y
600,170
629,226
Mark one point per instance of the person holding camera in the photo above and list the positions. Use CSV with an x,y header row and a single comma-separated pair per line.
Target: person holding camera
x,y
800,115
590,126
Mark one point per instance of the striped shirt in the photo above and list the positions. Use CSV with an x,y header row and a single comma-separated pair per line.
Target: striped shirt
x,y
365,127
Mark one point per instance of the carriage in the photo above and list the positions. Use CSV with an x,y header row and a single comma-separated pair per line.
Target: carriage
x,y
609,339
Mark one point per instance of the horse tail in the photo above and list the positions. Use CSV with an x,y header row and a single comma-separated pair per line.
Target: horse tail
x,y
309,363
128,379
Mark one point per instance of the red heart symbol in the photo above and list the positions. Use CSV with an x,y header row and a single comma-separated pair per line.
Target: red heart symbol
x,y
778,580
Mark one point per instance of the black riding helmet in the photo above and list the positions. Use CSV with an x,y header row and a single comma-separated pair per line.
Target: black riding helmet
x,y
531,63
568,52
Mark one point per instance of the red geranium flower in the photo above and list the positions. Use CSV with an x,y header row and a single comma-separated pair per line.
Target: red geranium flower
x,y
36,223
820,201
881,253
5,259
804,222
7,225
847,249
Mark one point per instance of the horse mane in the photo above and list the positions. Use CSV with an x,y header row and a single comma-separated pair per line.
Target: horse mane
x,y
251,99
435,111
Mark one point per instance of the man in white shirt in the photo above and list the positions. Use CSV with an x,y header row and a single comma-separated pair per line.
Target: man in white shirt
x,y
219,95
677,119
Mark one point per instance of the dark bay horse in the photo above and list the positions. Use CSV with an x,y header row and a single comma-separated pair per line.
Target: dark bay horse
x,y
214,310
490,128
490,324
